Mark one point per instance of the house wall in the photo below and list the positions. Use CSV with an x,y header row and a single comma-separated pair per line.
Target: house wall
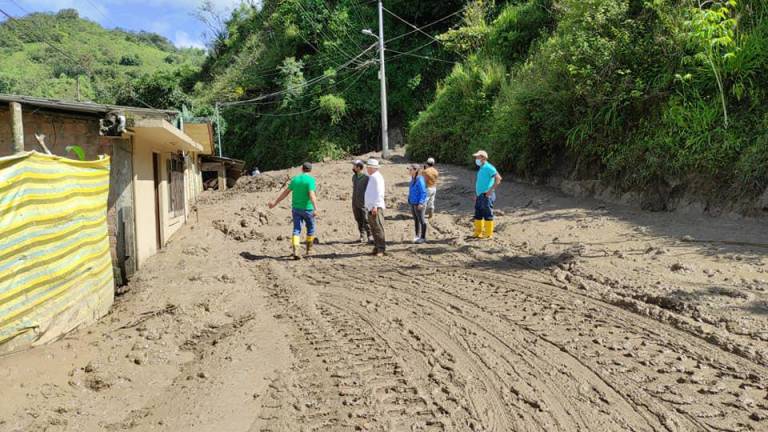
x,y
144,185
121,211
65,129
61,130
131,214
144,199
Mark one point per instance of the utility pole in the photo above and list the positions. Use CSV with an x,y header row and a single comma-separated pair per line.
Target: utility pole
x,y
17,127
383,79
218,128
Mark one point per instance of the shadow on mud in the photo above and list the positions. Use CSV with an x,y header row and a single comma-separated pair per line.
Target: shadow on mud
x,y
251,257
531,204
757,308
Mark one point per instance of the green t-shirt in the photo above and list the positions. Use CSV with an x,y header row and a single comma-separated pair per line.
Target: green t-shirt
x,y
301,186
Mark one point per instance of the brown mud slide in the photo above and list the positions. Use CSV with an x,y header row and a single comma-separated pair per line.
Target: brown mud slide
x,y
577,316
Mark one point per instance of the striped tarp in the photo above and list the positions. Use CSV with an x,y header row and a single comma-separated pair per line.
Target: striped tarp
x,y
55,263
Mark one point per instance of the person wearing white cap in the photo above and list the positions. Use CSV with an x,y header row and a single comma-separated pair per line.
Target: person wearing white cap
x,y
374,205
488,179
359,185
430,175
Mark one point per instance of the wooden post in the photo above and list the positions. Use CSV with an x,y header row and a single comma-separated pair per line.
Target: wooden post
x,y
17,127
222,177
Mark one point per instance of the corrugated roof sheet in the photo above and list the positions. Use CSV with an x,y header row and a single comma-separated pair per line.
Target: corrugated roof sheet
x,y
81,107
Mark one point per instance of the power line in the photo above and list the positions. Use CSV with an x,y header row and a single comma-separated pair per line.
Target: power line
x,y
89,72
100,12
326,57
411,51
418,29
411,25
45,41
357,75
308,16
306,84
400,54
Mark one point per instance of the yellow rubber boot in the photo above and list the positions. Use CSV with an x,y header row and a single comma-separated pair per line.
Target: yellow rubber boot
x,y
478,229
488,227
295,242
310,242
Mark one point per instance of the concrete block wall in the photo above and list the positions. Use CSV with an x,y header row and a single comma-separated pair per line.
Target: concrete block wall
x,y
61,130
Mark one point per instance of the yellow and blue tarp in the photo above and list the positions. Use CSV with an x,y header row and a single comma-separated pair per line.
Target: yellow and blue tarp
x,y
55,262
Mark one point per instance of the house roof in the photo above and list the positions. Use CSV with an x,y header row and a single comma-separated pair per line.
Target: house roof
x,y
81,107
202,133
163,135
229,162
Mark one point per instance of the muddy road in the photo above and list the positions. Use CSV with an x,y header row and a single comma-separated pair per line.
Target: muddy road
x,y
578,316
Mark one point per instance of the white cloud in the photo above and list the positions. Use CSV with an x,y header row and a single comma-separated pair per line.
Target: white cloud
x,y
184,40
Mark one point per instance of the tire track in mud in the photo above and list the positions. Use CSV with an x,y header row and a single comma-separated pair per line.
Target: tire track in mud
x,y
500,349
534,386
344,376
719,380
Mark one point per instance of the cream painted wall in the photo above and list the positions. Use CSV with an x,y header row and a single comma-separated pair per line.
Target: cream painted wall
x,y
145,200
144,189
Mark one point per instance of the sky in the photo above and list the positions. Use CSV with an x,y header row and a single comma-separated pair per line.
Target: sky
x,y
173,19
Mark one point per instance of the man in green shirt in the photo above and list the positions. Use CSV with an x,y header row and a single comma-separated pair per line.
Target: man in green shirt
x,y
303,207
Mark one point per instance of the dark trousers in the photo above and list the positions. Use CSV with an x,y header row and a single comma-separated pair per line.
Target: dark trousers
x,y
377,229
361,217
420,220
484,207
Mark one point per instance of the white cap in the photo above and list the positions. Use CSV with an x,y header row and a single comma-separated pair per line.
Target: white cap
x,y
373,163
431,161
481,153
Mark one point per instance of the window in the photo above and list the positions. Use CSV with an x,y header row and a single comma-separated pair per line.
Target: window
x,y
176,185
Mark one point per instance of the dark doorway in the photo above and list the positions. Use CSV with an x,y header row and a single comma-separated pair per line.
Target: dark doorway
x,y
156,172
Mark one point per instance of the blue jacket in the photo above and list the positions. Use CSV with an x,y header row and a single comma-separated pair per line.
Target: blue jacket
x,y
417,193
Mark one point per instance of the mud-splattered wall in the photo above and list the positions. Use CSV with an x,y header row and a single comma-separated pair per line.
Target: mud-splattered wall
x,y
61,130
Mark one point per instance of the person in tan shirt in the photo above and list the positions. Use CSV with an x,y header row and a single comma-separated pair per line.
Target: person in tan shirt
x,y
430,175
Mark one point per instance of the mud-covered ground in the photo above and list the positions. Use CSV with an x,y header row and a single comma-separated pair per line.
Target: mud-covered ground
x,y
578,316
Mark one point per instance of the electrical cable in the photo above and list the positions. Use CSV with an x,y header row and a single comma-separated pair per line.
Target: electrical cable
x,y
411,25
89,72
426,26
400,54
307,83
358,75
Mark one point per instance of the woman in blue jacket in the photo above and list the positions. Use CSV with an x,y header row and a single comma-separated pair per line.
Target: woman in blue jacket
x,y
417,199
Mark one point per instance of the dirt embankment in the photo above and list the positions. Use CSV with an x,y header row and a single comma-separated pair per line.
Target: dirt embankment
x,y
577,316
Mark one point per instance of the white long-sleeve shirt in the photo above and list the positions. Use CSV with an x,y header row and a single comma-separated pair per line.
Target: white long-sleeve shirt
x,y
374,193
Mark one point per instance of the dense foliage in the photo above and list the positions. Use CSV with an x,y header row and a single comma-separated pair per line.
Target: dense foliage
x,y
45,55
319,75
647,94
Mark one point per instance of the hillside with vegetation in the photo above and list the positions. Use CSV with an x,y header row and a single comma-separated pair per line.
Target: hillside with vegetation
x,y
667,97
664,97
45,54
304,76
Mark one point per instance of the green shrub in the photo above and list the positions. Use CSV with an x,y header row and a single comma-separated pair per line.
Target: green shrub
x,y
455,123
517,27
130,60
334,107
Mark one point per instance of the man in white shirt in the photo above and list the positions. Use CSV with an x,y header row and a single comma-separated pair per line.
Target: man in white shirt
x,y
374,205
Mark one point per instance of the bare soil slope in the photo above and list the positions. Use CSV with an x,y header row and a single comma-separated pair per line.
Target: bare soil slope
x,y
578,316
